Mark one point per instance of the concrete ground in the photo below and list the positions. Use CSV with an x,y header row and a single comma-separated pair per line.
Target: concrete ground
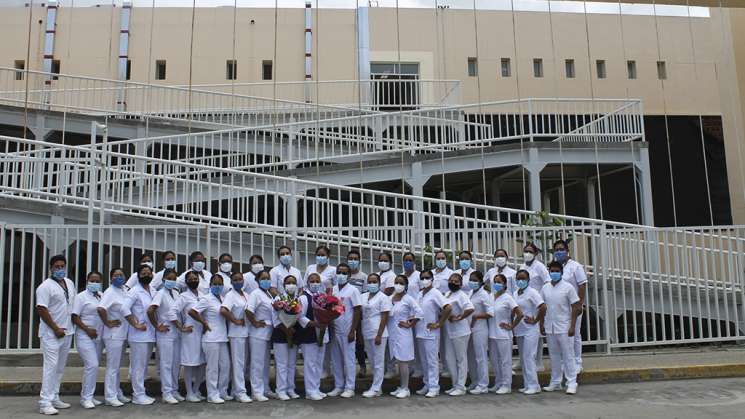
x,y
695,399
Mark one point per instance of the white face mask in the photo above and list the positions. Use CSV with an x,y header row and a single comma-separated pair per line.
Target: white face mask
x,y
384,266
291,288
257,267
198,265
425,283
398,288
226,267
528,257
500,261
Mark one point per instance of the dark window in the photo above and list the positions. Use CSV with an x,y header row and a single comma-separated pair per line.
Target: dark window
x,y
538,67
569,64
231,70
473,67
20,65
266,70
661,70
631,69
506,67
55,69
160,70
128,70
600,68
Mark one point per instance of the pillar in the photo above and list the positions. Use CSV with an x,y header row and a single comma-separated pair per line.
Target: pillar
x,y
591,208
416,182
644,175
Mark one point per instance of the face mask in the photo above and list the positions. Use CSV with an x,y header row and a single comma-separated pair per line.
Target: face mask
x,y
474,285
145,279
464,264
150,264
316,287
59,274
170,264
500,261
322,260
353,264
528,257
399,288
257,267
238,285
94,287
497,287
341,279
408,265
441,263
192,285
265,284
425,283
117,281
285,260
226,267
170,284
216,290
373,288
561,255
384,266
555,276
291,288
453,287
522,283
197,266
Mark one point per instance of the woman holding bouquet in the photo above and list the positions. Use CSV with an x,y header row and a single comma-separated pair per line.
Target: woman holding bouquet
x,y
287,309
376,307
234,310
307,337
260,312
404,316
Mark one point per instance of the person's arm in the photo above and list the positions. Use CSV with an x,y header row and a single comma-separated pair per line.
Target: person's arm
x,y
129,317
516,316
302,320
541,317
152,315
194,314
355,322
444,315
225,312
381,327
47,318
252,319
104,315
77,321
576,310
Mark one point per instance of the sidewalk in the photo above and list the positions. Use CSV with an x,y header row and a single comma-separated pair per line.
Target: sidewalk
x,y
633,366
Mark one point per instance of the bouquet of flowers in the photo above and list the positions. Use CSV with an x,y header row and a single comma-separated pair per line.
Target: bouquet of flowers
x,y
288,308
326,308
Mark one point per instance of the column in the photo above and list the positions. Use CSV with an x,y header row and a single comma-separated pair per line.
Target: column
x,y
644,176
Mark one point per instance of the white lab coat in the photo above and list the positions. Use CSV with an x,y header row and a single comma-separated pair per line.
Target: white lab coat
x,y
236,303
215,346
114,339
478,362
169,345
400,339
90,350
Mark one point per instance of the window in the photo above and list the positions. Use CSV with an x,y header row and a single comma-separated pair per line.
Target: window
x,y
473,67
600,68
55,69
538,67
266,70
20,65
631,69
160,69
661,70
569,64
506,67
128,71
231,70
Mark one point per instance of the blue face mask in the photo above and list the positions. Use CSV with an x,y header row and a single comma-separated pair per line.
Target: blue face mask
x,y
170,264
341,279
285,260
555,276
94,287
408,265
464,264
441,263
170,284
373,288
216,290
474,285
316,287
265,284
522,283
238,285
497,287
322,260
59,274
561,256
117,281
353,264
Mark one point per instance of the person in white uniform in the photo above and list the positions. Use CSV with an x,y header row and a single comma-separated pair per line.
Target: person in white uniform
x,y
385,271
114,336
458,332
563,307
145,259
507,316
358,279
214,341
478,359
225,269
441,272
234,310
574,274
285,348
307,338
465,265
435,312
198,265
285,269
250,278
141,335
344,334
260,312
538,277
405,313
376,307
408,261
192,355
322,267
527,331
55,299
89,336
501,267
167,337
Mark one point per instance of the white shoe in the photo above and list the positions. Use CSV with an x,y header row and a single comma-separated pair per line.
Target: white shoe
x,y
403,394
59,404
243,398
270,394
394,393
193,398
260,398
283,396
335,392
114,403
48,410
457,392
552,387
314,397
293,395
227,397
522,389
580,369
201,397
169,399
144,402
450,390
503,390
432,394
124,399
217,400
371,393
176,396
347,394
323,395
492,389
97,402
478,390
87,404
532,391
422,391
572,389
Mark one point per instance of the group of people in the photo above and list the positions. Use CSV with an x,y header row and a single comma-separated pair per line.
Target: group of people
x,y
222,327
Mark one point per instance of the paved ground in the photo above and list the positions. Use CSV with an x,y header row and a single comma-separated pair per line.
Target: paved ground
x,y
696,399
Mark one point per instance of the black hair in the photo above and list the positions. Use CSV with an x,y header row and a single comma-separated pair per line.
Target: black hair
x,y
478,275
194,255
504,278
169,272
430,274
141,267
234,274
56,258
343,265
324,247
190,273
456,274
521,271
501,250
555,264
386,253
466,252
375,275
87,277
259,257
223,255
565,243
413,256
532,246
146,255
169,252
354,252
111,272
284,281
279,249
406,280
443,253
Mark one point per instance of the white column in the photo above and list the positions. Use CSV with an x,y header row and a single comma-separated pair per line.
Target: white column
x,y
363,52
591,209
644,176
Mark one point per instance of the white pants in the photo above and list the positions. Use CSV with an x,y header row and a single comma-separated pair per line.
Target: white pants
x,y
417,366
429,361
312,367
55,358
91,352
478,360
457,360
285,359
376,356
500,355
578,342
561,351
345,362
111,381
193,378
139,355
169,362
218,368
238,347
259,365
539,352
526,345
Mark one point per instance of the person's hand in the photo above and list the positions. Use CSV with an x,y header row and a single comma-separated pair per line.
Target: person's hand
x,y
163,328
433,326
239,322
140,326
378,340
259,324
187,329
290,332
206,328
453,318
530,320
571,332
113,323
505,326
350,337
312,323
543,331
404,324
59,332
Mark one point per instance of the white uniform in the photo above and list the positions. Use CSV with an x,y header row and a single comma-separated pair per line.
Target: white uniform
x,y
285,356
401,340
373,306
478,361
169,343
204,280
156,283
528,335
90,350
113,338
327,276
538,277
508,272
192,355
260,304
465,275
59,302
440,279
500,340
343,351
249,282
312,351
358,280
215,346
140,341
236,303
559,298
278,274
457,335
574,274
387,279
413,287
432,301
